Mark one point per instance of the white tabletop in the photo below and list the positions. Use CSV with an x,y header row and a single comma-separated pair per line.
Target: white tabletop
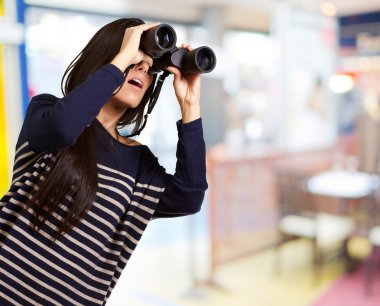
x,y
343,184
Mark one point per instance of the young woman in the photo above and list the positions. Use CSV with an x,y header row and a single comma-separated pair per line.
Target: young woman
x,y
81,193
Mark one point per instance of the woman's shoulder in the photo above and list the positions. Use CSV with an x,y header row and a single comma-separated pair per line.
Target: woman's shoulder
x,y
42,99
44,96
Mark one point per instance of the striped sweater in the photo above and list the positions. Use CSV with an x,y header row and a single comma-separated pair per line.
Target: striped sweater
x,y
83,266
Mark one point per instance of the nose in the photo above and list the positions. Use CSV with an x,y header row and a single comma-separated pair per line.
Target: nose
x,y
142,67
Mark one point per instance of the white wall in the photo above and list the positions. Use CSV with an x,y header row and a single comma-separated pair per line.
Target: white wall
x,y
249,15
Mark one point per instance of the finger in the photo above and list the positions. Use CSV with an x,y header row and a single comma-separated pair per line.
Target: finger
x,y
143,57
148,59
141,28
147,26
187,46
174,71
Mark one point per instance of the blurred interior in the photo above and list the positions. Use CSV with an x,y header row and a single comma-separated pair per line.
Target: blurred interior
x,y
291,118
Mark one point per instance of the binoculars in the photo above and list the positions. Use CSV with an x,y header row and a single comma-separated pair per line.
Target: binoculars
x,y
160,43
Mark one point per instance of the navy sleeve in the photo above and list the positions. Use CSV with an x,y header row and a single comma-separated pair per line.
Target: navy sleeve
x,y
53,123
184,191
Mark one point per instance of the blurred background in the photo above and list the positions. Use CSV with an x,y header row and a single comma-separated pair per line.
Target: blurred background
x,y
291,119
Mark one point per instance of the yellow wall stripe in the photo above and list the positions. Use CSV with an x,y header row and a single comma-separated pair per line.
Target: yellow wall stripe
x,y
4,175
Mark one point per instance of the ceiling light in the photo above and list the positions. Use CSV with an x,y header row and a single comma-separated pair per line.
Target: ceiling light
x,y
328,9
341,83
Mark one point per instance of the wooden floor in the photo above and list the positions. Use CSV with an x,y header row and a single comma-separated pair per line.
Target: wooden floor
x,y
164,276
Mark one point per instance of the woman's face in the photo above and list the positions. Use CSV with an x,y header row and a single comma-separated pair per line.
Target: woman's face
x,y
136,84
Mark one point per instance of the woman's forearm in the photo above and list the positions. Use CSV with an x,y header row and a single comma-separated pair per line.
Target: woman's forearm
x,y
190,112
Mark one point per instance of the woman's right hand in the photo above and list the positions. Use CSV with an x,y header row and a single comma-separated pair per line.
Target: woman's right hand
x,y
130,53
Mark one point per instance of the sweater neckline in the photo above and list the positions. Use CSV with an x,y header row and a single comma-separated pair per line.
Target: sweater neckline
x,y
103,129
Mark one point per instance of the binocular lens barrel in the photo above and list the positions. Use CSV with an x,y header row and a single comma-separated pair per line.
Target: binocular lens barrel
x,y
158,39
166,38
160,43
200,60
205,59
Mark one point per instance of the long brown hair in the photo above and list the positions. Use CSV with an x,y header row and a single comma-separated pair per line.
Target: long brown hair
x,y
72,178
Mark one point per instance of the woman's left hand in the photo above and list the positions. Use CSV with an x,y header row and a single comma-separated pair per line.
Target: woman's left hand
x,y
187,88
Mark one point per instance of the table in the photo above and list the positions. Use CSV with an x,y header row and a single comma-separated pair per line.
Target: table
x,y
348,187
343,184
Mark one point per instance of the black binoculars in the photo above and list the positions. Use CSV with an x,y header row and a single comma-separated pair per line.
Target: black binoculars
x,y
160,43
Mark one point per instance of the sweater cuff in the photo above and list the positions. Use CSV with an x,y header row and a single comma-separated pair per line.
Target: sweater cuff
x,y
116,73
190,126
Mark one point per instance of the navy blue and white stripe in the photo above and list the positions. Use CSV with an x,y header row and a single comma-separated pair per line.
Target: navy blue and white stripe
x,y
83,266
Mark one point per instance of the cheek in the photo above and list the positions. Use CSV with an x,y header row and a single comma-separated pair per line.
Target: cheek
x,y
150,80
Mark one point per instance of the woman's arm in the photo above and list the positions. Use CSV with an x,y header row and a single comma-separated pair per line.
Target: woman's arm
x,y
184,191
187,89
54,123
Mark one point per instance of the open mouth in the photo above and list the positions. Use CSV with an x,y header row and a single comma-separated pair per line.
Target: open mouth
x,y
136,82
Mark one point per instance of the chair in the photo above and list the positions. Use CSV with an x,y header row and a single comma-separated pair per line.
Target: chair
x,y
374,239
299,218
368,130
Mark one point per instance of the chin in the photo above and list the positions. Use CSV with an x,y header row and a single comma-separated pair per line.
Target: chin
x,y
126,103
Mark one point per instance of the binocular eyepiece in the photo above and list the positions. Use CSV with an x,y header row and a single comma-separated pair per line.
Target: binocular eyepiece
x,y
160,43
